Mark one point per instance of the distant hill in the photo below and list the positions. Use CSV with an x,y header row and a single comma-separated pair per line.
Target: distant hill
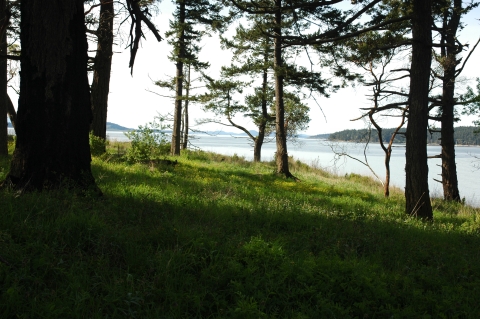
x,y
116,127
464,135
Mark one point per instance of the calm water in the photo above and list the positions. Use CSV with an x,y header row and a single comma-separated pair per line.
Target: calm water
x,y
318,152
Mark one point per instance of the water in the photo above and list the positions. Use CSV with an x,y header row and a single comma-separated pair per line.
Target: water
x,y
319,153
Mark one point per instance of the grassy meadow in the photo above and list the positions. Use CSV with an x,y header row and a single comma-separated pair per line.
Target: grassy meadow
x,y
220,237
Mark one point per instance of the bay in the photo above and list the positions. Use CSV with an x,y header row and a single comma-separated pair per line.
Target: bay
x,y
318,153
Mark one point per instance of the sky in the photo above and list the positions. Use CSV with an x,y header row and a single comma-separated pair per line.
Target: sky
x,y
131,104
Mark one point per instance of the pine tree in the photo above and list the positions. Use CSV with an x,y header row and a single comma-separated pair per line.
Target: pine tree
x,y
192,20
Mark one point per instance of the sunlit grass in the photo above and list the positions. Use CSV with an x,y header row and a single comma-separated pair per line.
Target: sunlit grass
x,y
221,237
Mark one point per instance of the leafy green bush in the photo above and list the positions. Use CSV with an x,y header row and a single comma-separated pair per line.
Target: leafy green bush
x,y
148,141
98,145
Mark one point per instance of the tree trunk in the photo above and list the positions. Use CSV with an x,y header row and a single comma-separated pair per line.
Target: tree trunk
x,y
185,113
281,137
177,115
258,142
449,53
102,67
416,187
54,107
3,86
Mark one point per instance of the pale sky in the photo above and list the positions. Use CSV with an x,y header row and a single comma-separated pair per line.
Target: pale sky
x,y
131,105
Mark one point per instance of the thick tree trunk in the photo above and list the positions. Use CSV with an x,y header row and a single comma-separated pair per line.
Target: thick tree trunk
x,y
416,187
102,67
449,53
3,86
54,111
281,137
177,115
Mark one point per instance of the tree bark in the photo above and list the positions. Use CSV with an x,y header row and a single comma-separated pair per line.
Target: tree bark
x,y
449,55
3,85
185,125
281,137
258,142
101,75
416,168
177,115
54,109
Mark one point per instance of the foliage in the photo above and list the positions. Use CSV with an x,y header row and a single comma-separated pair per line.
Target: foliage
x,y
471,99
215,237
464,135
148,142
97,144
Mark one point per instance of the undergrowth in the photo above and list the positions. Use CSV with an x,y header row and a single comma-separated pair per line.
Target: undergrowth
x,y
220,237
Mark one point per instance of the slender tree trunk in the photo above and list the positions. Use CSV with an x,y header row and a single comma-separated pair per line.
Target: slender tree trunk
x,y
54,111
102,67
416,187
281,137
449,55
185,112
258,142
12,114
3,86
177,115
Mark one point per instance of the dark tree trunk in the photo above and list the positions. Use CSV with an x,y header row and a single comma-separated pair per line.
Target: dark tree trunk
x,y
3,86
416,187
102,67
281,137
12,114
449,53
258,142
54,109
177,115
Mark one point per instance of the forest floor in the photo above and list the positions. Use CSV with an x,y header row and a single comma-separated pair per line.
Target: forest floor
x,y
220,237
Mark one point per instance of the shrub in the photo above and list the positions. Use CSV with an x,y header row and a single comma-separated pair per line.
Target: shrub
x,y
98,145
148,142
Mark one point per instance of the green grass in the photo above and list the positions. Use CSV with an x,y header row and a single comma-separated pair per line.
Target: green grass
x,y
220,237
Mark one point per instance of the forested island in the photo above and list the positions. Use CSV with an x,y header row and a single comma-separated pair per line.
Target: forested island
x,y
464,135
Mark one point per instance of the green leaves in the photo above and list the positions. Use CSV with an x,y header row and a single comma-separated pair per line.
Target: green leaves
x,y
148,142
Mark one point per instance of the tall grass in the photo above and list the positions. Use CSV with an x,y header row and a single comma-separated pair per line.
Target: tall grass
x,y
221,237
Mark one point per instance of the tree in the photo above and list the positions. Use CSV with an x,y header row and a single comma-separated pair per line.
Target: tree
x,y
3,82
450,13
253,54
54,104
54,112
220,100
188,98
303,23
101,69
184,38
416,168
